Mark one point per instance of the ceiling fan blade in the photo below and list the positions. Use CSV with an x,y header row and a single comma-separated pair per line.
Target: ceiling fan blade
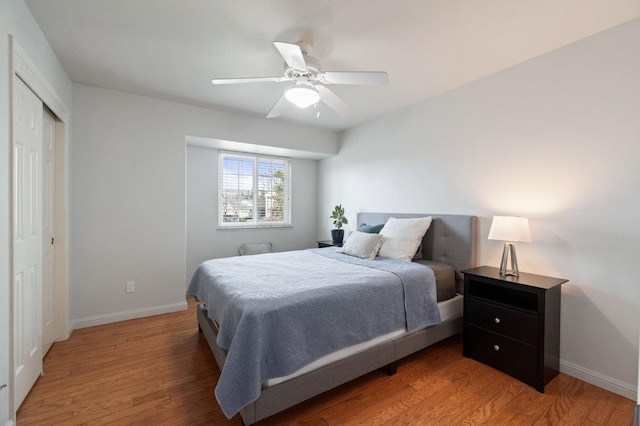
x,y
292,55
249,80
333,101
278,108
373,78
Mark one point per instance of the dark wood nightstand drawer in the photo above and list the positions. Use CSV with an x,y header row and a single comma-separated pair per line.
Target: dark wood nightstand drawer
x,y
515,358
508,322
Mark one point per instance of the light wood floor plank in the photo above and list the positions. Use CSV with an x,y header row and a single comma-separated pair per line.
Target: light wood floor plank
x,y
160,371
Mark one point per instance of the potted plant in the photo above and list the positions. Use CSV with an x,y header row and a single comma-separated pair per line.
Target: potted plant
x,y
337,235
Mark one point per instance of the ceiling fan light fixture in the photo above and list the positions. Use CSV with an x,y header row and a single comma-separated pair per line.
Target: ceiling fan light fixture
x,y
302,97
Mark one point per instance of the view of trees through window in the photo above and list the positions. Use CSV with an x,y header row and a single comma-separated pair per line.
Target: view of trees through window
x,y
253,190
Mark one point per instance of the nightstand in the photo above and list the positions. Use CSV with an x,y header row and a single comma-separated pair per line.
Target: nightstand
x,y
513,323
327,243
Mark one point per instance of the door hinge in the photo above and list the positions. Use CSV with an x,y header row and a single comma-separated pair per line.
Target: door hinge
x,y
51,240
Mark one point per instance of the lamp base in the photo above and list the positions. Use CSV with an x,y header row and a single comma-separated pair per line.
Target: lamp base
x,y
509,249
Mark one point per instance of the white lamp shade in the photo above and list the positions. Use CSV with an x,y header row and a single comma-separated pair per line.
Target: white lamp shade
x,y
302,97
510,228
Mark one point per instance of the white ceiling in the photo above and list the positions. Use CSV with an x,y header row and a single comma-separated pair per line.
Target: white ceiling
x,y
171,49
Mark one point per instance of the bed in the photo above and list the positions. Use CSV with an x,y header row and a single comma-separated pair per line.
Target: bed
x,y
449,244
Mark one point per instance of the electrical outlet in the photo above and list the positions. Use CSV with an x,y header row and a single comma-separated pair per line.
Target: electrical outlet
x,y
131,286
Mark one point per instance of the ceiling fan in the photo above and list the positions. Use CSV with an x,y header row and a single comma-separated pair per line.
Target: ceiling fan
x,y
310,82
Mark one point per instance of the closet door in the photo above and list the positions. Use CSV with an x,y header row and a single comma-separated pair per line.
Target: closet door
x,y
27,238
48,229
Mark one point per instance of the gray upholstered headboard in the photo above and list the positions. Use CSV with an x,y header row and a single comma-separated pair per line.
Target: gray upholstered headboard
x,y
451,239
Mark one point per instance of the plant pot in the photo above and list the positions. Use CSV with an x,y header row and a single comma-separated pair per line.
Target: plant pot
x,y
337,235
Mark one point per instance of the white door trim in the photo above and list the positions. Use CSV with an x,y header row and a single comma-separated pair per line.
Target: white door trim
x,y
22,66
29,73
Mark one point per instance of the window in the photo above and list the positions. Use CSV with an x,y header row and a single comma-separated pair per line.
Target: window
x,y
253,191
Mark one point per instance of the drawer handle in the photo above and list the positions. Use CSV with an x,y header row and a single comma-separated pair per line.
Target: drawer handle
x,y
496,320
496,347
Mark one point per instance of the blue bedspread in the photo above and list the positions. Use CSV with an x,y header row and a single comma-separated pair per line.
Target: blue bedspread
x,y
280,311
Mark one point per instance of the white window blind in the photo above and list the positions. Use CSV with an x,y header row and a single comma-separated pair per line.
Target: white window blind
x,y
253,191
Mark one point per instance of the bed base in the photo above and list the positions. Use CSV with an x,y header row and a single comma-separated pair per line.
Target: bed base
x,y
451,239
281,396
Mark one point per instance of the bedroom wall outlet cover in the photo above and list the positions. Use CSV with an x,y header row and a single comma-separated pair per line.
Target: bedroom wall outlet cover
x,y
131,286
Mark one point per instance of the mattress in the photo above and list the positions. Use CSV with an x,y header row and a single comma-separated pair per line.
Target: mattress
x,y
449,309
445,278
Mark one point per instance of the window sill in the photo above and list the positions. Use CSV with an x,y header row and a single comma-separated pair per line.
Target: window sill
x,y
245,227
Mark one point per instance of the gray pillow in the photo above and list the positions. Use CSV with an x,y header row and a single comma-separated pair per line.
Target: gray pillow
x,y
363,245
370,229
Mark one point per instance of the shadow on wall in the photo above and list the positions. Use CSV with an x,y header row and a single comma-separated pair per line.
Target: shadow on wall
x,y
593,324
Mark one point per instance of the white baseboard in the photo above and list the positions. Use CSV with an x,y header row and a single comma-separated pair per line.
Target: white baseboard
x,y
127,315
616,386
9,423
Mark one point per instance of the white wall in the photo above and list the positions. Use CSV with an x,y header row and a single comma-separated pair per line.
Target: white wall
x,y
555,139
128,218
16,20
205,241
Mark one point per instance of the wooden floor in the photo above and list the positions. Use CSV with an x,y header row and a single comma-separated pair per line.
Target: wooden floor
x,y
159,371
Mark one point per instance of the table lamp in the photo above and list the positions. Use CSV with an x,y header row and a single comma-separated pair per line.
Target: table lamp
x,y
510,229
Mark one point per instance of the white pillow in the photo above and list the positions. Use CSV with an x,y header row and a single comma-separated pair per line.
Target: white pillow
x,y
402,237
362,245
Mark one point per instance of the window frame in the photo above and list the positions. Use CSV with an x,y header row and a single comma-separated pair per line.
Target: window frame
x,y
254,222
